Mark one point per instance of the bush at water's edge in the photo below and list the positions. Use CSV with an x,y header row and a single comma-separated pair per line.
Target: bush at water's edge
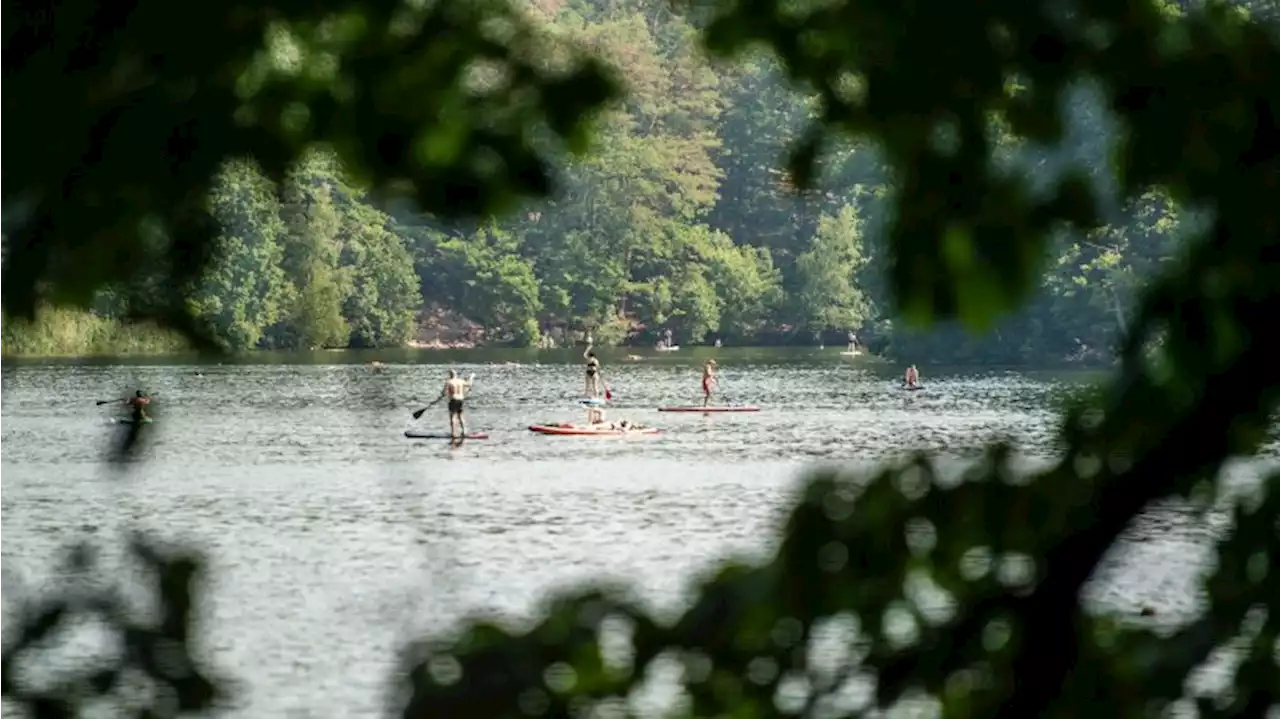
x,y
60,332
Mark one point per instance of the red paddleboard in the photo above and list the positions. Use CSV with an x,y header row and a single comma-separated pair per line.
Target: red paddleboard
x,y
744,408
569,430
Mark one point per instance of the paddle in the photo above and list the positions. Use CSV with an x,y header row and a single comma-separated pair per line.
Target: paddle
x,y
419,413
114,401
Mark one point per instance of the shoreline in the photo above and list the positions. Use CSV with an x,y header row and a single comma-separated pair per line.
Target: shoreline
x,y
622,354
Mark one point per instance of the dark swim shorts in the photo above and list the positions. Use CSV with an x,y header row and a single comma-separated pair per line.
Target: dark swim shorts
x,y
455,406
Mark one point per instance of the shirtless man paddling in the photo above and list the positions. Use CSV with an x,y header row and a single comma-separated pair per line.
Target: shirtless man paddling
x,y
456,390
138,404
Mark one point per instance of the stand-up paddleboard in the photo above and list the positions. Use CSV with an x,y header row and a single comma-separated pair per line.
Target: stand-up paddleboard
x,y
593,401
130,420
412,434
672,348
854,353
911,389
571,430
742,408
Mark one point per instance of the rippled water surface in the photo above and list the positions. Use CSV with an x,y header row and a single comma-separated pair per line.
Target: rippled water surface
x,y
333,538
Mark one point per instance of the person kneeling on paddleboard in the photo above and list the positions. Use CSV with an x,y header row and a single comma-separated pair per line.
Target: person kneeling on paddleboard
x,y
456,389
138,403
708,379
912,378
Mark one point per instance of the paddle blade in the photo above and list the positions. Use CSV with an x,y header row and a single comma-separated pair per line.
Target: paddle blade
x,y
418,414
608,394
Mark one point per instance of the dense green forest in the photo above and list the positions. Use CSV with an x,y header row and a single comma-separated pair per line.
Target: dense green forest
x,y
681,217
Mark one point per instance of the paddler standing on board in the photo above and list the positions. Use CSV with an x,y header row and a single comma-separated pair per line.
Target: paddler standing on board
x,y
708,379
912,378
455,389
593,372
853,342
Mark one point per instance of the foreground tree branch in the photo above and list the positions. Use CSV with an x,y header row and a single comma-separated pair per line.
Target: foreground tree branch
x,y
967,593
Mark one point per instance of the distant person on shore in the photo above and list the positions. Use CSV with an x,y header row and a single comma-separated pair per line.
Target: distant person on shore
x,y
593,372
717,343
912,378
455,389
708,379
138,403
853,342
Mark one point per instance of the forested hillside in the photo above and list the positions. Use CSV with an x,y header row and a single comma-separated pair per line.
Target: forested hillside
x,y
680,218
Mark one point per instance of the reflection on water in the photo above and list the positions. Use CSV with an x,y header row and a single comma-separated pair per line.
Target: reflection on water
x,y
333,538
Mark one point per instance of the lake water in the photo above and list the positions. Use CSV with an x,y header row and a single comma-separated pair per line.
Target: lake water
x,y
332,538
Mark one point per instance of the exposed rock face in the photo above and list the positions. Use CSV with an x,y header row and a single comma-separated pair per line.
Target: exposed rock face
x,y
439,328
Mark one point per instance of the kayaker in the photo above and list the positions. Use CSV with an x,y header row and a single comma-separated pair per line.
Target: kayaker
x,y
593,372
455,389
595,415
138,403
708,379
912,378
